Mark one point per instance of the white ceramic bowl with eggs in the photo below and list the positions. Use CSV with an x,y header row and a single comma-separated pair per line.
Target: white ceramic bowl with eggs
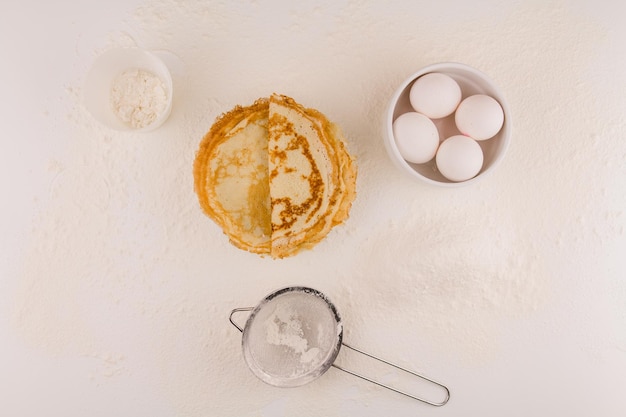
x,y
472,82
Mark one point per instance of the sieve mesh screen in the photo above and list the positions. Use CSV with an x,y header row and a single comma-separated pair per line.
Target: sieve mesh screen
x,y
292,338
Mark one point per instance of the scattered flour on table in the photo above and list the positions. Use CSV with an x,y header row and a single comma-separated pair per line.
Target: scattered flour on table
x,y
96,253
138,97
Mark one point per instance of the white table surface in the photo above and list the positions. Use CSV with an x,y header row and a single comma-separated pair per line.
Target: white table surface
x,y
115,289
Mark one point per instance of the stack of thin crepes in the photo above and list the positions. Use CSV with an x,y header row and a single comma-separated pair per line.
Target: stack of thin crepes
x,y
275,176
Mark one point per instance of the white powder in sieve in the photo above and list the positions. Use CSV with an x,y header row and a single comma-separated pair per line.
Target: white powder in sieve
x,y
138,97
284,328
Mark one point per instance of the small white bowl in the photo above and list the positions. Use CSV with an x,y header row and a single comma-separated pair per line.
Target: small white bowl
x,y
98,82
471,82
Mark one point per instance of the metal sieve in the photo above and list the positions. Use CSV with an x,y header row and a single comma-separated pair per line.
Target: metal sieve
x,y
293,337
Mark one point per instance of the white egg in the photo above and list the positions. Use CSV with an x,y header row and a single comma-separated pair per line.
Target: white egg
x,y
416,137
459,158
479,116
435,95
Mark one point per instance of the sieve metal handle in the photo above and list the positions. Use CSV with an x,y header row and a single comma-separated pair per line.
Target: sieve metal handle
x,y
235,311
415,397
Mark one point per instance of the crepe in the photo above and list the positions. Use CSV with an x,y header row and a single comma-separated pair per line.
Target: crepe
x,y
230,176
275,176
312,177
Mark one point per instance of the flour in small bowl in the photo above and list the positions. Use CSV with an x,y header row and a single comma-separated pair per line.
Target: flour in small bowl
x,y
138,97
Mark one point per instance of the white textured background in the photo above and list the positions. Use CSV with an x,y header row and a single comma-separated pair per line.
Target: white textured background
x,y
115,289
